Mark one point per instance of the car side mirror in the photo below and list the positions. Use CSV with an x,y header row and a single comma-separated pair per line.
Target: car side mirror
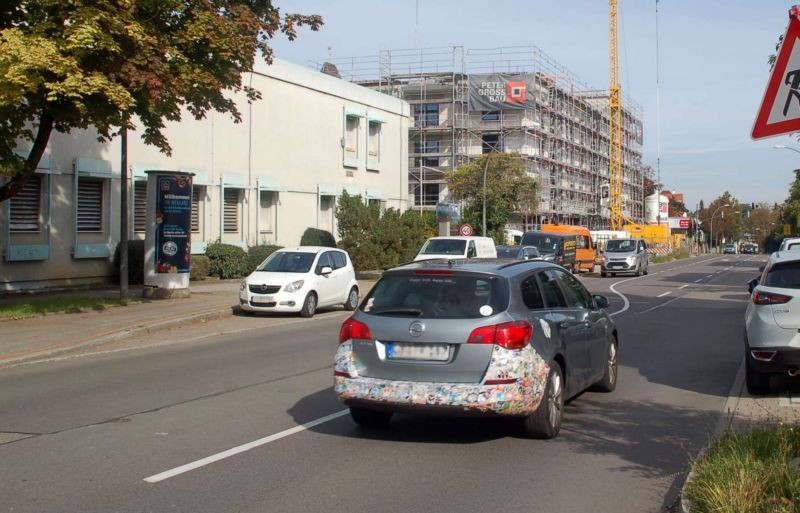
x,y
600,301
326,270
752,284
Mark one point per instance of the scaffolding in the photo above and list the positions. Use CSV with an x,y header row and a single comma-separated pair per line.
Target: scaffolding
x,y
561,132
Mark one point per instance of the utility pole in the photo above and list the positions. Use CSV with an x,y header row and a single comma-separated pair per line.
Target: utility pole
x,y
123,217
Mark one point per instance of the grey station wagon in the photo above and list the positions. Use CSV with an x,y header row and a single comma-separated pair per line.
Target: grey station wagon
x,y
485,337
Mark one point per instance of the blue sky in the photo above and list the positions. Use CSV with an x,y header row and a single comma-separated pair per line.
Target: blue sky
x,y
713,69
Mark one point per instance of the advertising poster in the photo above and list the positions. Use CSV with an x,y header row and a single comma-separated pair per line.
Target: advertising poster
x,y
496,91
173,223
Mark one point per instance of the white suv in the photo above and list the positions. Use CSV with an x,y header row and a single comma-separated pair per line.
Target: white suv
x,y
301,280
772,322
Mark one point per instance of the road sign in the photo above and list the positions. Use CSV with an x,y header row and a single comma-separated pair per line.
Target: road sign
x,y
780,107
465,230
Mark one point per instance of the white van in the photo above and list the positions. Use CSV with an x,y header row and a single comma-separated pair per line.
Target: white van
x,y
457,247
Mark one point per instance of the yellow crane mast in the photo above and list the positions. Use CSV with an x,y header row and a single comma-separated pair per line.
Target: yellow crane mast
x,y
615,123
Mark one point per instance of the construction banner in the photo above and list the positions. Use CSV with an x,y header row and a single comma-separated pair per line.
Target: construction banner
x,y
498,91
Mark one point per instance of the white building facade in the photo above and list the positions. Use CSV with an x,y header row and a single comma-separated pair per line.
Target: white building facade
x,y
264,180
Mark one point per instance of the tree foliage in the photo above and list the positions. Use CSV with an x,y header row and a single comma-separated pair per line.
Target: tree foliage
x,y
508,190
762,221
726,214
378,240
73,64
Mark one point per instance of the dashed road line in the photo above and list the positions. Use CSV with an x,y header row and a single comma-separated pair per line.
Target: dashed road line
x,y
664,294
683,286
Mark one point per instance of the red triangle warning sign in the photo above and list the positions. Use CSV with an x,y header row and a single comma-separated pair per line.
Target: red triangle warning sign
x,y
780,109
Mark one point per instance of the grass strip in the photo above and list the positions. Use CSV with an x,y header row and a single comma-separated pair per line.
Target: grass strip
x,y
40,307
753,472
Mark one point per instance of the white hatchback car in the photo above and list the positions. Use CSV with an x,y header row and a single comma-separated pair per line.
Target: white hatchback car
x,y
301,279
772,322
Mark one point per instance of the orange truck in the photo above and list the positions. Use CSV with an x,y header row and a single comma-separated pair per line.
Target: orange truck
x,y
585,252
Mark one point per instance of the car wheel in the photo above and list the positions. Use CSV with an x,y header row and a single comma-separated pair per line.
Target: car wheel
x,y
757,382
646,269
309,305
609,381
613,275
245,313
603,274
352,300
638,271
370,418
545,422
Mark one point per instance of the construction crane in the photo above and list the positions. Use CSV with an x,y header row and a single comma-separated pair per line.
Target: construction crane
x,y
615,122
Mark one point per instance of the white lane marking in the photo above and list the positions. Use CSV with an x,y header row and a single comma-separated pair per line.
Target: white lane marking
x,y
665,303
242,448
710,276
683,286
664,294
698,280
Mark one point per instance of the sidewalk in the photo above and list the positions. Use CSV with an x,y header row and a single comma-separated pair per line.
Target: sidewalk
x,y
37,337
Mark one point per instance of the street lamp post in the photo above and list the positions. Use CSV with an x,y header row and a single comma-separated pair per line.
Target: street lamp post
x,y
784,147
711,234
485,169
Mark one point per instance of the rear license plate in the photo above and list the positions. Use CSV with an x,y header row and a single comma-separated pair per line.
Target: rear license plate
x,y
406,351
261,298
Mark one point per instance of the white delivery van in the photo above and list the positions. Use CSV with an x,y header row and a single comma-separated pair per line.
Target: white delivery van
x,y
457,247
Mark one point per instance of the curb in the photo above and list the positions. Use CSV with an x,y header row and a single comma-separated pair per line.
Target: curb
x,y
122,333
728,412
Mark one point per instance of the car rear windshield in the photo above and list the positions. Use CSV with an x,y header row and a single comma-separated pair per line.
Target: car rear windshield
x,y
508,252
544,243
619,245
786,275
443,247
288,262
457,296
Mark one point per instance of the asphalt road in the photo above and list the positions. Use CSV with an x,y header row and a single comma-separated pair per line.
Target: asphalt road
x,y
83,434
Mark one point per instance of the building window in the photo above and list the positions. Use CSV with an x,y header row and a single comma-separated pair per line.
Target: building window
x,y
426,194
231,211
426,114
351,140
426,147
426,162
490,115
25,207
196,198
90,205
139,205
491,142
374,144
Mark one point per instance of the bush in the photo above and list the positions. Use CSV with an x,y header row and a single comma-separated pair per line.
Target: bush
x,y
200,268
135,262
257,254
317,237
226,261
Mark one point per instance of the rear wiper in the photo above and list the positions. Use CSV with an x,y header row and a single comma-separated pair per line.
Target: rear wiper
x,y
399,311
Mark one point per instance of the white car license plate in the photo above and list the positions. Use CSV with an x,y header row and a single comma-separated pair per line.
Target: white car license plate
x,y
261,298
406,351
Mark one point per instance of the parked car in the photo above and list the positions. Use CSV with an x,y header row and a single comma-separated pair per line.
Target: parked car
x,y
729,249
495,338
517,252
790,244
772,322
457,247
625,256
301,280
558,248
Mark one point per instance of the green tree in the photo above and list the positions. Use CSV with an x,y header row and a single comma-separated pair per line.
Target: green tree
x,y
677,208
509,189
727,218
761,222
109,64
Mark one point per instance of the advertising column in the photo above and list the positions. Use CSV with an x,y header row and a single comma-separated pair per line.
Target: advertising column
x,y
168,243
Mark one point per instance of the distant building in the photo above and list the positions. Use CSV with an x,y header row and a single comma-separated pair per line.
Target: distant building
x,y
264,180
469,102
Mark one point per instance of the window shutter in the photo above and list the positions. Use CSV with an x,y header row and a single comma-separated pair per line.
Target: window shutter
x,y
139,205
25,206
231,212
90,205
195,209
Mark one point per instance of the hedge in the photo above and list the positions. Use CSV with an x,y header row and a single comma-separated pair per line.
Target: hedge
x,y
317,237
227,261
200,268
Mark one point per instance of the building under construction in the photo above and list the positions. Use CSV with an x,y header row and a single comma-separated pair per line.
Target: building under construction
x,y
466,102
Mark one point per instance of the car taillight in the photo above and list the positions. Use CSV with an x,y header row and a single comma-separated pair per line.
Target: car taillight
x,y
769,298
351,329
510,335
